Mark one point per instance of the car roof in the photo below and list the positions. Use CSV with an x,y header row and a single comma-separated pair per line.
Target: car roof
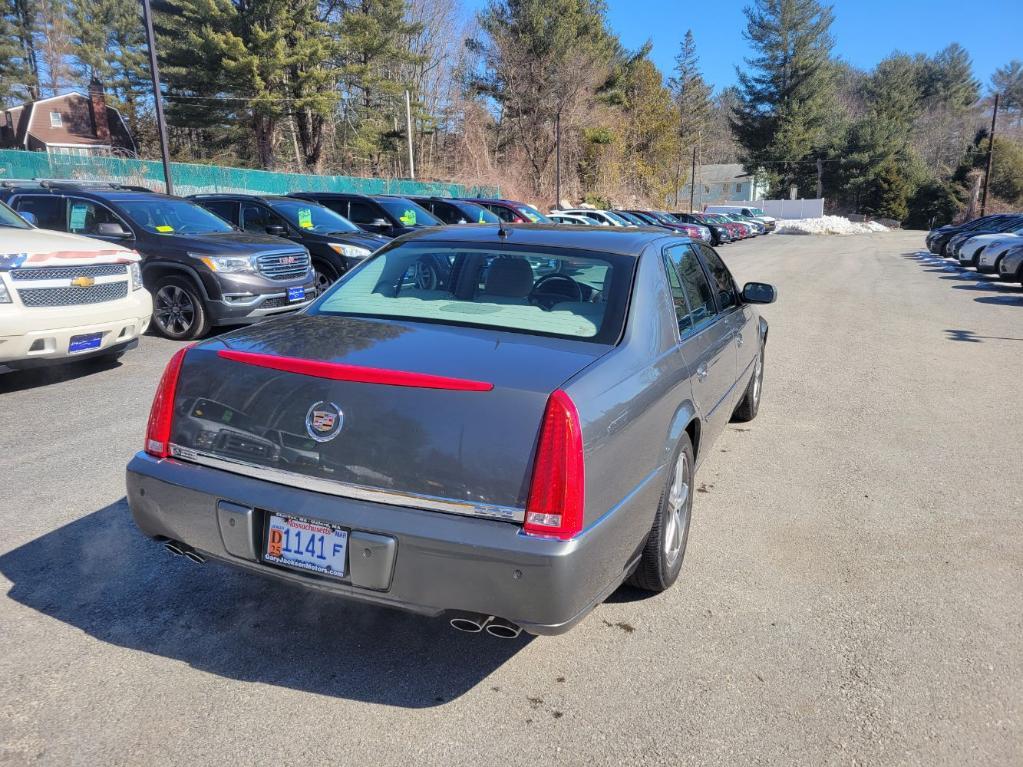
x,y
240,196
112,194
625,241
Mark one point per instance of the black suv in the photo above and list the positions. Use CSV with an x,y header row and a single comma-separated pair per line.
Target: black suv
x,y
334,242
201,270
451,211
380,214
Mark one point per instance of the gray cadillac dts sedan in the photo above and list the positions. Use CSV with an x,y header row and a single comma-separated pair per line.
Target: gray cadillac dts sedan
x,y
496,424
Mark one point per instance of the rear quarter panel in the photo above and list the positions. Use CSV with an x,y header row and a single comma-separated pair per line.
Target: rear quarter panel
x,y
634,404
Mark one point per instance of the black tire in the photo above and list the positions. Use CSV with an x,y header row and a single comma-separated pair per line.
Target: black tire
x,y
178,309
749,405
660,563
324,275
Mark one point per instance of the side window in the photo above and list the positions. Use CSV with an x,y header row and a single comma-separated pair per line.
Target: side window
x,y
699,296
678,296
362,213
256,218
85,216
226,209
48,210
728,296
446,213
503,213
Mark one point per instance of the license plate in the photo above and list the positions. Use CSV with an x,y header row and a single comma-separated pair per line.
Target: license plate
x,y
84,343
296,294
306,545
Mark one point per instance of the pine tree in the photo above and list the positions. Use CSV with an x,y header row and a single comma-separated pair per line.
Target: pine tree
x,y
109,46
13,72
787,90
236,69
1008,81
374,53
22,17
948,79
692,100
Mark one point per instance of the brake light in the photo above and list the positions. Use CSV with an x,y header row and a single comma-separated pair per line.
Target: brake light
x,y
555,505
161,415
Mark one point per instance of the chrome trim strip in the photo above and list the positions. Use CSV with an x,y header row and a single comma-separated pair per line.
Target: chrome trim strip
x,y
348,490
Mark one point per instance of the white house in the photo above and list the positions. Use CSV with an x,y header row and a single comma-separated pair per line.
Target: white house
x,y
716,184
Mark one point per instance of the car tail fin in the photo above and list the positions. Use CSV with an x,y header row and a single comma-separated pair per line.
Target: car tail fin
x,y
555,505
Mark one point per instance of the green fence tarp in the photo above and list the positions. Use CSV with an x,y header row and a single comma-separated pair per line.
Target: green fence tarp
x,y
189,178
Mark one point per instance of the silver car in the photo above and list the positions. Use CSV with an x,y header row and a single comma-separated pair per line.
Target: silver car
x,y
498,424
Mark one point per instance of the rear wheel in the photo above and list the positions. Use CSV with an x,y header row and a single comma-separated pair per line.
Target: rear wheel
x,y
178,310
661,561
749,406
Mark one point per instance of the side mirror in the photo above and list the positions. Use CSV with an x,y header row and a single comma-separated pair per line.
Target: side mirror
x,y
30,217
759,293
112,229
382,223
276,230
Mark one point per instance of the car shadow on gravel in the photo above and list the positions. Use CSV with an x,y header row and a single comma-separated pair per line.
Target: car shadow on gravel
x,y
100,575
35,378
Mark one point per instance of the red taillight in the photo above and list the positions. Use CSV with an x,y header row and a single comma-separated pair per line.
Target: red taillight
x,y
555,505
161,415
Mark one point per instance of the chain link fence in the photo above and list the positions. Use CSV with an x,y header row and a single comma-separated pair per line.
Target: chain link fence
x,y
189,178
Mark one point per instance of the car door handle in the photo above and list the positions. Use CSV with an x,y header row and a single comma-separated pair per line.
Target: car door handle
x,y
701,371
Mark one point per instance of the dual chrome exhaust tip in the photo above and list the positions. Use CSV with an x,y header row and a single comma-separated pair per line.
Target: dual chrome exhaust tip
x,y
179,549
476,624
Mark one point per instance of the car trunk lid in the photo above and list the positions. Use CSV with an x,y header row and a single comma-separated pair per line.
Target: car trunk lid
x,y
409,409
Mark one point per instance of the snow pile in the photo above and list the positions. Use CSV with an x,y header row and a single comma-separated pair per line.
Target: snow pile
x,y
828,225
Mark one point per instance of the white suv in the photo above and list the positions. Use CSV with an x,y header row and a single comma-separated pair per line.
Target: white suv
x,y
65,297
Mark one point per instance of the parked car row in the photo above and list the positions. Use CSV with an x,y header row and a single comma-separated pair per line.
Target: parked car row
x,y
212,260
715,227
990,244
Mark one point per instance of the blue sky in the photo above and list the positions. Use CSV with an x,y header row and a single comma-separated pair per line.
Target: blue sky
x,y
865,31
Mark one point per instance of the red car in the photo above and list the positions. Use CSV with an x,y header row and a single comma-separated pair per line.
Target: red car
x,y
512,211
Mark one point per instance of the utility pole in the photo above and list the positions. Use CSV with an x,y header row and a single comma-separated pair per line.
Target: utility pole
x,y
820,178
557,160
990,153
692,183
154,72
408,131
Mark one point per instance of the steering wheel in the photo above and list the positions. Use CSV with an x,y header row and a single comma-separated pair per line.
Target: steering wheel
x,y
554,288
422,275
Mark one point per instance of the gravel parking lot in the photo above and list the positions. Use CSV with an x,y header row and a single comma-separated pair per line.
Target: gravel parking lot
x,y
852,592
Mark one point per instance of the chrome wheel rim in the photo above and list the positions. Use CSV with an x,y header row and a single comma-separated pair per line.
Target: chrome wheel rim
x,y
678,510
758,375
322,281
174,311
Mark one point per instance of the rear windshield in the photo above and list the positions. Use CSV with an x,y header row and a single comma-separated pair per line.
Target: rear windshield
x,y
407,211
312,217
569,293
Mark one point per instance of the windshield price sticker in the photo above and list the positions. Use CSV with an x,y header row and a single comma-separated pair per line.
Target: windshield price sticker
x,y
305,218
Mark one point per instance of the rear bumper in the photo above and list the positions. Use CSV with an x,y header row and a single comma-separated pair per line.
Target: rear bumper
x,y
441,562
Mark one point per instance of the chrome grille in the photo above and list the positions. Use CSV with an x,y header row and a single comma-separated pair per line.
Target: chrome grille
x,y
283,266
67,272
107,291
